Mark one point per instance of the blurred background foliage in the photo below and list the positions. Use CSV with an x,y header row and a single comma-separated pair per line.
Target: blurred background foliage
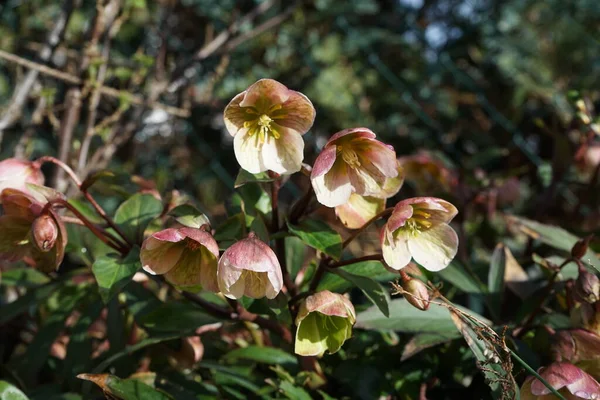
x,y
488,87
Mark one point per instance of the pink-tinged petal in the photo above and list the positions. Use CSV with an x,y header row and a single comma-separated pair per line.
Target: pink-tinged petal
x,y
358,210
355,132
284,155
558,375
167,235
324,161
15,174
248,152
14,234
159,257
380,155
434,248
585,388
395,249
202,237
234,115
232,282
333,188
392,185
19,204
327,303
402,212
265,93
440,210
252,254
297,113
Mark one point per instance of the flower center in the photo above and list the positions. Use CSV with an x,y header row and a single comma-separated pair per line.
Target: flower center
x,y
260,122
349,156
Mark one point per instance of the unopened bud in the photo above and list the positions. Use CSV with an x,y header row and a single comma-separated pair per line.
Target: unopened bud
x,y
587,286
45,232
580,247
415,292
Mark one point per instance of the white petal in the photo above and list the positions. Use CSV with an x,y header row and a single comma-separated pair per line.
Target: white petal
x,y
395,251
435,247
248,152
332,189
284,155
228,279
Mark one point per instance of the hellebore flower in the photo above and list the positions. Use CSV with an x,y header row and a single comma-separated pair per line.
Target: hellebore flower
x,y
576,345
249,267
16,174
567,379
267,121
324,323
360,209
353,161
186,256
31,232
426,173
418,228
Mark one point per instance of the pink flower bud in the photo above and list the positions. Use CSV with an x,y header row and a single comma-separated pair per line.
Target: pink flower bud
x,y
415,292
16,174
45,232
249,268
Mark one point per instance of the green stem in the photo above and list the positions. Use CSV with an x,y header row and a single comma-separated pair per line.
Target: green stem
x,y
537,376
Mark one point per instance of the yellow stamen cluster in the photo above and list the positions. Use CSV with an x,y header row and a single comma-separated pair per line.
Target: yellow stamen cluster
x,y
418,222
349,156
261,124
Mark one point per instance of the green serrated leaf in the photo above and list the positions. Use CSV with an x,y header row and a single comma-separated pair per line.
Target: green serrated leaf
x,y
264,355
320,236
10,392
372,289
113,273
135,213
189,215
245,177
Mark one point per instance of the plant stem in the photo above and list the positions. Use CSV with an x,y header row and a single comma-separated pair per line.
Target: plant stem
x,y
300,207
59,163
372,257
319,274
383,214
537,376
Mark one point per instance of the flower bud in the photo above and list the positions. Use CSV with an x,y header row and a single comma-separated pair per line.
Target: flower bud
x,y
324,323
587,286
580,247
249,267
415,292
566,378
45,232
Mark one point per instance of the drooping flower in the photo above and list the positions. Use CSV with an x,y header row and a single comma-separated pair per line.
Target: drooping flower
x,y
186,256
31,232
324,322
576,345
353,161
360,209
427,173
267,121
16,174
418,229
249,267
566,378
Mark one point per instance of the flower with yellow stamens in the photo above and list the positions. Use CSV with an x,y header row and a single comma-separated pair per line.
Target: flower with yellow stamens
x,y
267,121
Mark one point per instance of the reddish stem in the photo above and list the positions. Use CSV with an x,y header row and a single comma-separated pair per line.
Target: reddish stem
x,y
383,214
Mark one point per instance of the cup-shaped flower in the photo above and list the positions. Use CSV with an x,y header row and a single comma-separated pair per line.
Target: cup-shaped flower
x,y
30,231
566,378
576,345
185,256
267,121
324,322
353,161
249,268
16,174
418,229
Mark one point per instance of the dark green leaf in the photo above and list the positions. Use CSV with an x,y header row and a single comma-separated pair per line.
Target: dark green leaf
x,y
456,274
189,215
10,392
371,269
259,227
23,277
422,341
94,177
176,317
232,229
135,213
265,355
372,289
293,392
244,177
113,273
319,235
295,253
126,389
